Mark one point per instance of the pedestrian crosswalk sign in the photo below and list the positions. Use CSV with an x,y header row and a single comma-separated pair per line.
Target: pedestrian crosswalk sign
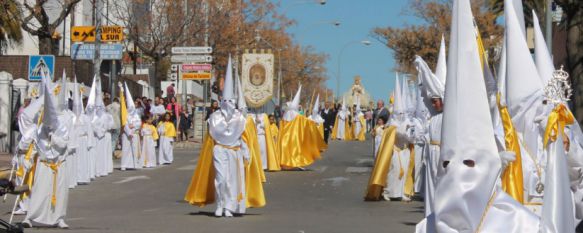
x,y
39,64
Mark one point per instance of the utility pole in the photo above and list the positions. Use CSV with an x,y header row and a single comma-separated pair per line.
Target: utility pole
x,y
97,60
205,82
184,92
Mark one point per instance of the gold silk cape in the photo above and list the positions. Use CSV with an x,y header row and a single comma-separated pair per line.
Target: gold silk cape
x,y
250,138
378,177
347,130
270,146
201,190
274,132
300,142
361,135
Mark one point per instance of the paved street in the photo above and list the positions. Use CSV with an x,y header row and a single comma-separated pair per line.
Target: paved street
x,y
326,198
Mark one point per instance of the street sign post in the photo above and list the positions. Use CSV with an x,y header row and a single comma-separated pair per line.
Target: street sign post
x,y
39,64
87,51
192,50
87,34
190,58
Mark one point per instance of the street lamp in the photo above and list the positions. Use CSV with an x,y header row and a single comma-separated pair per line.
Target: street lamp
x,y
364,42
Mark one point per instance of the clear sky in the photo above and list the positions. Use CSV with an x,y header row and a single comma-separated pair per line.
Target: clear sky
x,y
374,63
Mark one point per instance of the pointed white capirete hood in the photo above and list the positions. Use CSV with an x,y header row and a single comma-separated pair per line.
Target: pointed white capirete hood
x,y
441,67
398,103
77,101
130,105
501,76
50,121
558,208
407,98
229,100
228,88
523,85
463,191
295,104
542,57
343,108
421,110
226,126
92,97
241,103
315,116
316,108
64,93
99,105
432,85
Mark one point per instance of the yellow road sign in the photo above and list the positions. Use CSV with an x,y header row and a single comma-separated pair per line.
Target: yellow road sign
x,y
111,33
196,76
83,34
87,34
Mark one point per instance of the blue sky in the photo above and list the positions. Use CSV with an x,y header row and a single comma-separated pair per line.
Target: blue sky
x,y
374,63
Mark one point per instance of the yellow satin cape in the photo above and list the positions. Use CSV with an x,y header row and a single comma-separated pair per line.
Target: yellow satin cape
x,y
300,143
201,190
274,132
270,147
378,177
321,130
409,188
347,130
123,108
361,135
250,138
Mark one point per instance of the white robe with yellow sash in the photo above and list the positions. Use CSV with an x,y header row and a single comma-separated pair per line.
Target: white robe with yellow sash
x,y
167,133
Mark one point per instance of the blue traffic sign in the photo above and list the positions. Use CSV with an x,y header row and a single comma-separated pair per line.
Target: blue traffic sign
x,y
39,64
87,51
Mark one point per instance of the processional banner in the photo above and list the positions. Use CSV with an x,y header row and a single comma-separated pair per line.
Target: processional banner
x,y
257,77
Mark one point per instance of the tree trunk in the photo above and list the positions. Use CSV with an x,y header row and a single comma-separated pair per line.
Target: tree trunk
x,y
48,45
154,83
45,44
575,58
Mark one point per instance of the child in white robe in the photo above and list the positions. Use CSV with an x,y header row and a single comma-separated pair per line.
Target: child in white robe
x,y
378,135
149,136
167,133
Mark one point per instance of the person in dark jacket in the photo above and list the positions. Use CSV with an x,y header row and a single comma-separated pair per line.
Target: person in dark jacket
x,y
380,112
329,117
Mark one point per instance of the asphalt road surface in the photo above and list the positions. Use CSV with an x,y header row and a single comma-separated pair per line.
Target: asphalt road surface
x,y
328,197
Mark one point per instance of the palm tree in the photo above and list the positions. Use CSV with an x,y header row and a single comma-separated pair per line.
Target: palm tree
x,y
497,6
10,18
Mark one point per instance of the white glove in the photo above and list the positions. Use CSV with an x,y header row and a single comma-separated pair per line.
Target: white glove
x,y
507,157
